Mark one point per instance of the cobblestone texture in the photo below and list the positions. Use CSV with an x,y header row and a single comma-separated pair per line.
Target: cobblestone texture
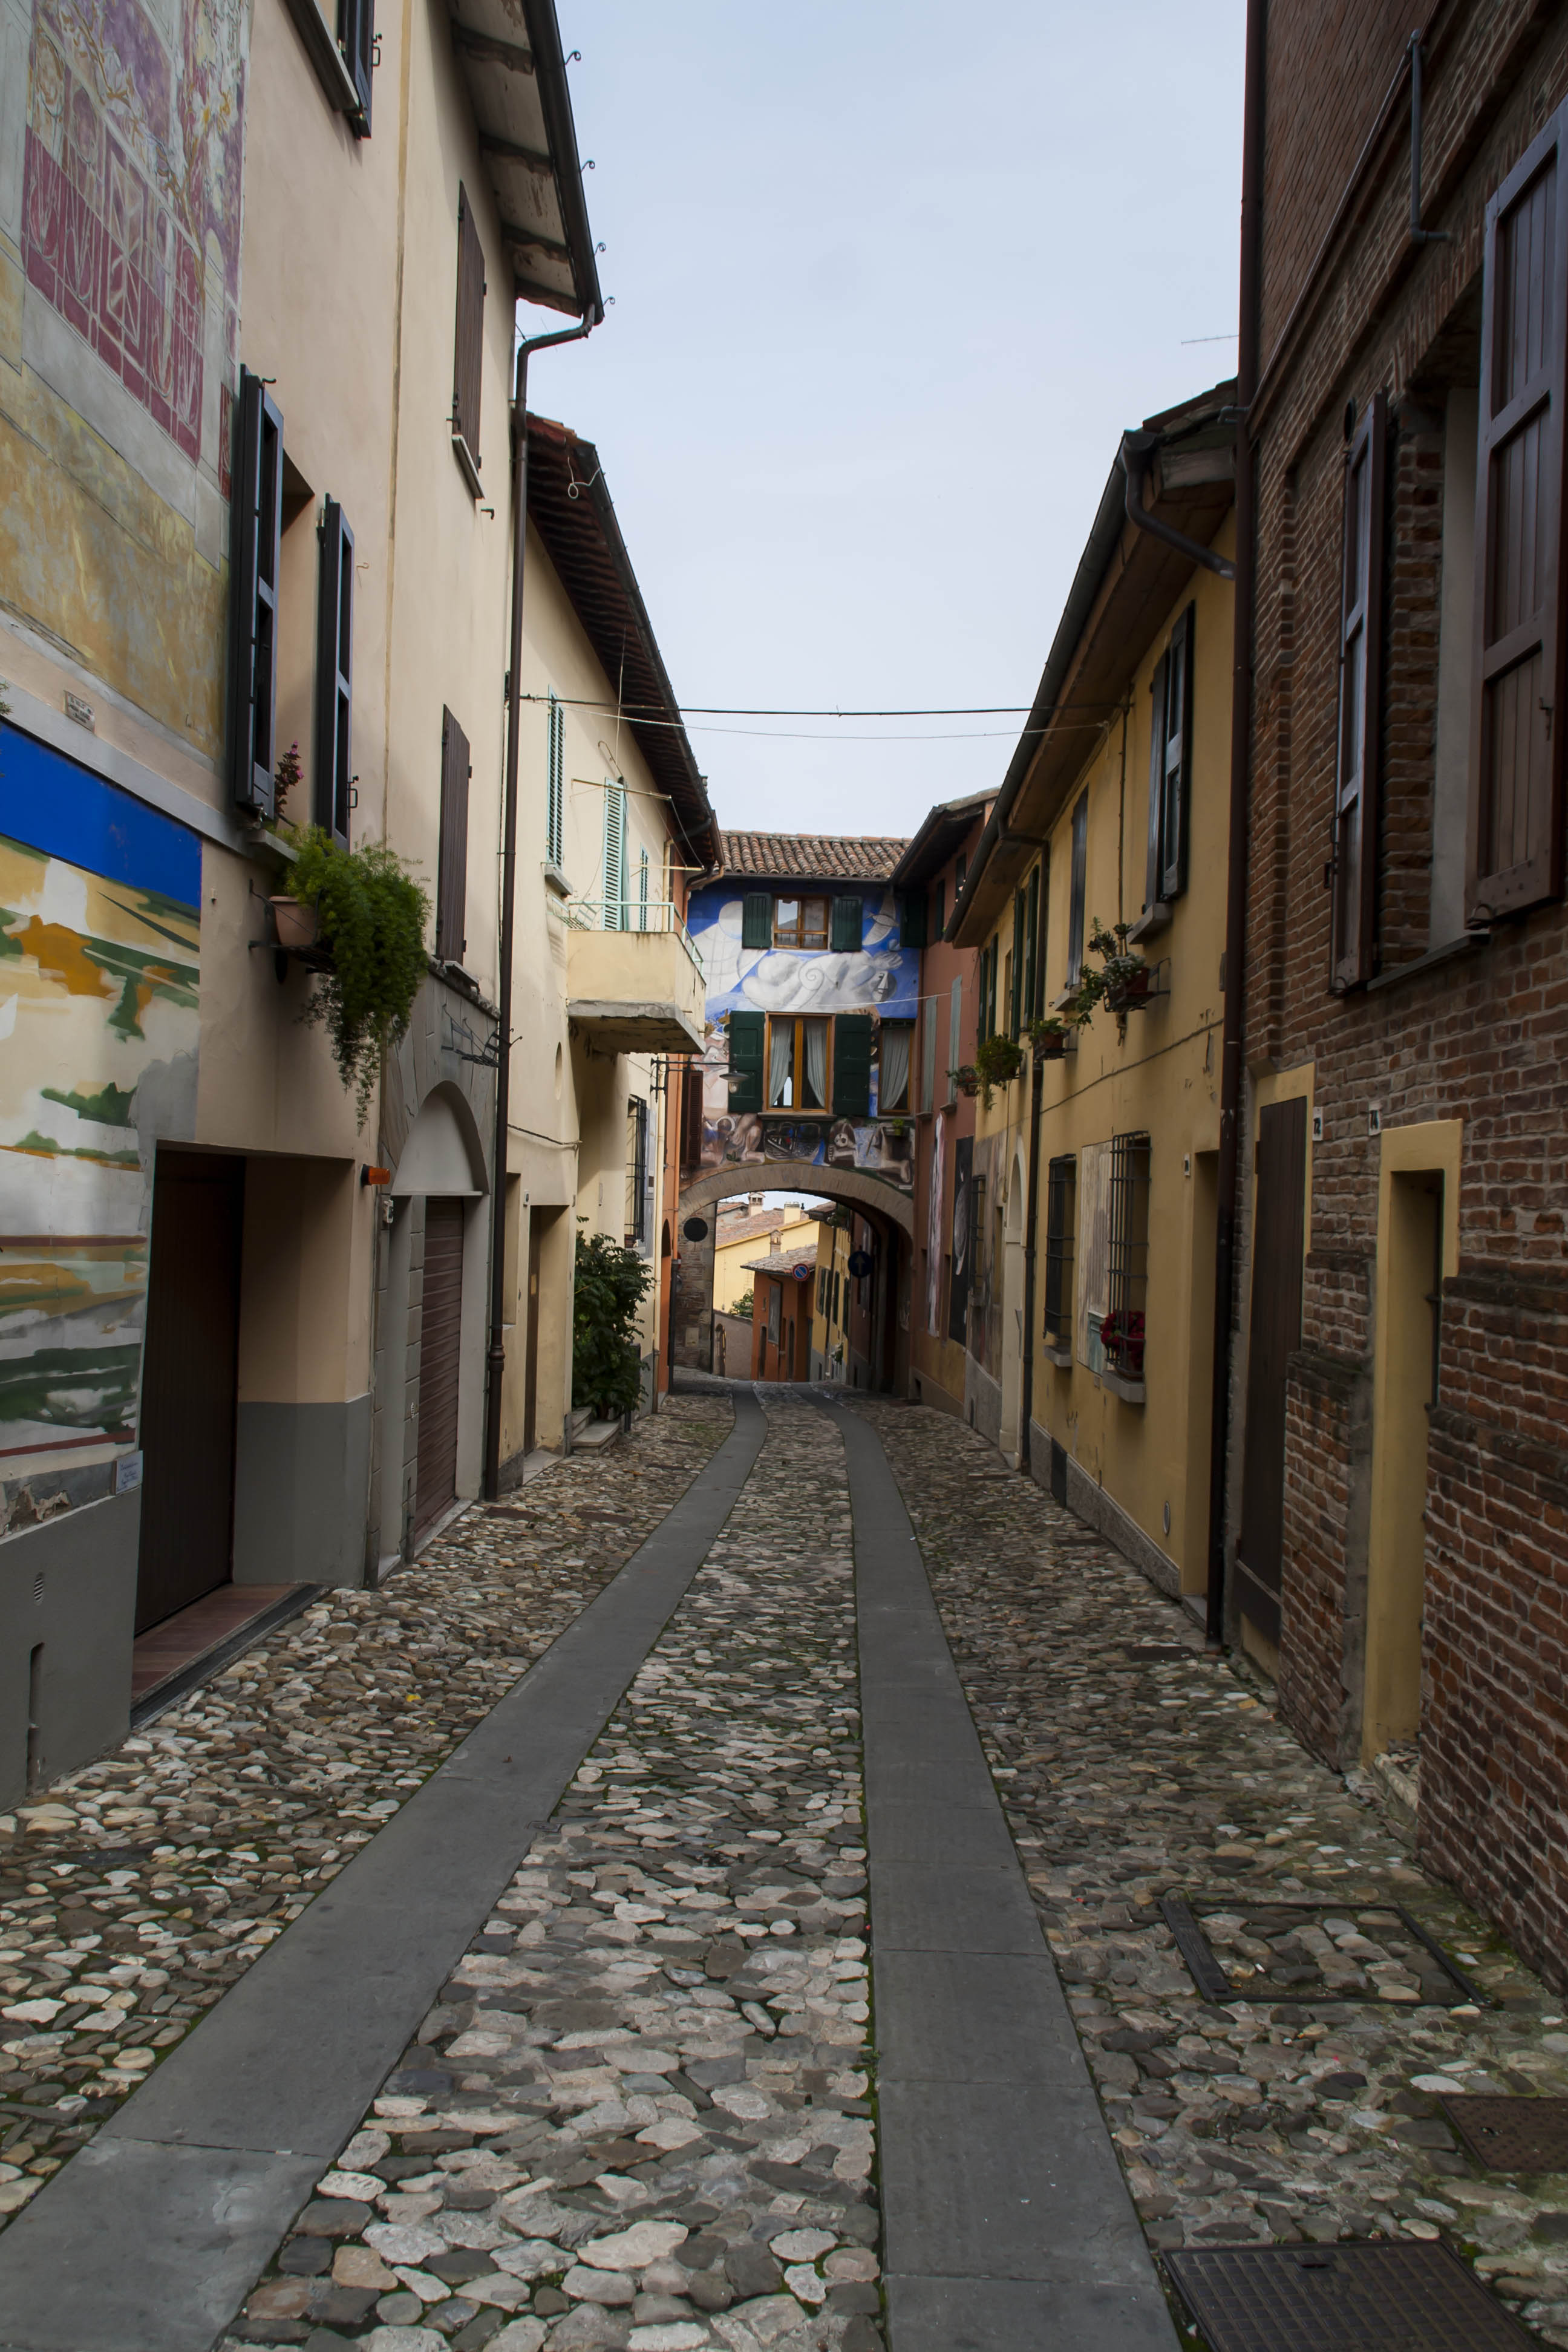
x,y
638,2115
139,1889
1125,1779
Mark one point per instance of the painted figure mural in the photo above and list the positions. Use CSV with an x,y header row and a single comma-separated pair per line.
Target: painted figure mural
x,y
99,967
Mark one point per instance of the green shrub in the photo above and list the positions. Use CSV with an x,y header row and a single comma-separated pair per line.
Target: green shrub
x,y
373,916
610,1284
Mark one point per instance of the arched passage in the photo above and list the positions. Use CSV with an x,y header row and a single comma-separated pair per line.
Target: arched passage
x,y
889,1212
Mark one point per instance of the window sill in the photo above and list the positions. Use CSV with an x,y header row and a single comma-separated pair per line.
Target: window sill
x,y
556,880
326,56
1060,1357
1154,919
468,464
1465,945
1130,1391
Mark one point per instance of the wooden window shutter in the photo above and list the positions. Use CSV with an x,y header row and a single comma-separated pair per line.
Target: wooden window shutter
x,y
1078,889
846,927
1515,843
555,805
614,862
469,370
1016,994
980,1014
990,977
746,1043
1354,867
452,885
1032,948
757,919
256,532
691,1116
356,40
1177,760
334,673
1155,862
852,1065
913,921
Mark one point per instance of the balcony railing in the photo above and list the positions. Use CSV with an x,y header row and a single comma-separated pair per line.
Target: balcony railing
x,y
632,914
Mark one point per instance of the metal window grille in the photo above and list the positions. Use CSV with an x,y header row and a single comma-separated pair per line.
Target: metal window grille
x,y
1061,1201
1127,1287
636,1170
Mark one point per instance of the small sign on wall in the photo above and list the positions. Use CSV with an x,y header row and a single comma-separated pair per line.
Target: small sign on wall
x,y
127,1473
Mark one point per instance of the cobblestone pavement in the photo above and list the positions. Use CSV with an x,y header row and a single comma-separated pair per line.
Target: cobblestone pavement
x,y
637,2114
1125,1777
144,1887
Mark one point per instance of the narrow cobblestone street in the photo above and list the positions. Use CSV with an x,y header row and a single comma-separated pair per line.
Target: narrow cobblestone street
x,y
639,2111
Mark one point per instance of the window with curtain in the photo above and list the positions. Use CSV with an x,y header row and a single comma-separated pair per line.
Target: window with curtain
x,y
896,1040
797,1063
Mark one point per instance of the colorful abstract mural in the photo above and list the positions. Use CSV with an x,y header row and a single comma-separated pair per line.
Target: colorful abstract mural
x,y
100,972
131,215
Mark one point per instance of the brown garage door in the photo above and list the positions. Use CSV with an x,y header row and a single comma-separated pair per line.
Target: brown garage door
x,y
189,1382
436,1477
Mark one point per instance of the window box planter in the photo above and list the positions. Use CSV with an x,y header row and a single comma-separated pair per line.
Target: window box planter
x,y
1131,1392
296,924
966,1079
1131,992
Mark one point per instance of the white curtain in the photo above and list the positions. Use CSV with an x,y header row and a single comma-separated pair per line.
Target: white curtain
x,y
893,1088
781,1056
814,1095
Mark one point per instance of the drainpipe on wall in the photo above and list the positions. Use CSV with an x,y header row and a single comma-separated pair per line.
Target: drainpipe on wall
x,y
495,1361
1031,1220
1240,772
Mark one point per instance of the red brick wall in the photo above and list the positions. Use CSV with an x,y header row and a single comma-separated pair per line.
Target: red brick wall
x,y
1483,1039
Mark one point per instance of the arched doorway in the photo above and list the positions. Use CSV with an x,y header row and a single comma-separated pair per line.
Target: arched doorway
x,y
888,1212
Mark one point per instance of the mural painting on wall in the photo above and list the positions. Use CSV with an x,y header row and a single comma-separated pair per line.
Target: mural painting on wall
x,y
881,977
131,210
99,967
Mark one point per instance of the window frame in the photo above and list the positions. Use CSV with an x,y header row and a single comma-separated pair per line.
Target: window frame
x,y
1491,888
636,1203
796,1021
906,1109
1127,1263
1352,865
256,542
797,939
1061,1238
333,780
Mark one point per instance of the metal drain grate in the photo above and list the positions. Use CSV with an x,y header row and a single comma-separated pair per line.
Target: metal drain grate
x,y
1512,2134
1350,2298
1275,1949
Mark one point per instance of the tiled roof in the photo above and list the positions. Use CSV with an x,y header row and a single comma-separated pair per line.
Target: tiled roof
x,y
782,1261
749,1229
810,856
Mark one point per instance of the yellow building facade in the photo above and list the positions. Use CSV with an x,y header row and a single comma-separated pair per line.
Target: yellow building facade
x,y
1094,1187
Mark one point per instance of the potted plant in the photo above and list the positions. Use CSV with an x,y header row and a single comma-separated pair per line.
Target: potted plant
x,y
966,1078
1124,983
1121,1337
997,1061
370,916
1049,1037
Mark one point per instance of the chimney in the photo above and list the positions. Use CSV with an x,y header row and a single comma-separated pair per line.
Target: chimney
x,y
754,1201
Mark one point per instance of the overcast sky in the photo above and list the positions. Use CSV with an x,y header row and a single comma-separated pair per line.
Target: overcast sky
x,y
890,280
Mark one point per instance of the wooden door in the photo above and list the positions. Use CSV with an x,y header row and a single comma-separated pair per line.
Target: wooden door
x,y
440,1322
1274,1330
530,1343
189,1382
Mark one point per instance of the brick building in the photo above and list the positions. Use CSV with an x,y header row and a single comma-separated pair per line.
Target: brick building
x,y
1397,1538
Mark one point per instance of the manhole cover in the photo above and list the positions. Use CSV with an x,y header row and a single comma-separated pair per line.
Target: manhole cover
x,y
1512,2134
1158,1651
1349,2298
1241,1947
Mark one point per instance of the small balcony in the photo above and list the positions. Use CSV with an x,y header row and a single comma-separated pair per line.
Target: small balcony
x,y
634,980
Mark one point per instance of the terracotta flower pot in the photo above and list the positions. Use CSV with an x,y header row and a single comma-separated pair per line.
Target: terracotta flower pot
x,y
1052,1048
296,924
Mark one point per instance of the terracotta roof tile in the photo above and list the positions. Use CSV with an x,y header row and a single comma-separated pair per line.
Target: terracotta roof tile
x,y
783,1261
748,1229
810,856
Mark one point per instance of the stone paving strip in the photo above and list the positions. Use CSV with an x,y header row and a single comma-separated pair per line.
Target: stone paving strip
x,y
638,2115
139,1889
1128,1777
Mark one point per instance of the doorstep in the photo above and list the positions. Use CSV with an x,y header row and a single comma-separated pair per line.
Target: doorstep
x,y
196,1642
596,1437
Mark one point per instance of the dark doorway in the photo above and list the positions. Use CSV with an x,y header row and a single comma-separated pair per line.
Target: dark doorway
x,y
531,1339
440,1326
190,1376
1275,1331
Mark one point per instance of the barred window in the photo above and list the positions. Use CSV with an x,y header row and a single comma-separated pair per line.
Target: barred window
x,y
1062,1208
1127,1287
636,1173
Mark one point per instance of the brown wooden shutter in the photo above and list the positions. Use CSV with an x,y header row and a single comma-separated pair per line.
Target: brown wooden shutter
x,y
468,371
691,1116
452,888
1176,778
356,45
256,531
1156,781
334,673
1354,865
1515,844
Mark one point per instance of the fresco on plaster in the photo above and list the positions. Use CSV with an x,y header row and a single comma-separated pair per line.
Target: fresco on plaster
x,y
877,1147
99,967
131,217
882,976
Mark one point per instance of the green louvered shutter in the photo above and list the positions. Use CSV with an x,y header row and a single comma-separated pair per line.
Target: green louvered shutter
x,y
913,921
852,1064
746,1061
757,919
845,933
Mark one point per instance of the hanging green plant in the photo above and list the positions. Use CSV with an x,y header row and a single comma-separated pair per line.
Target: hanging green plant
x,y
371,919
1122,983
611,1283
997,1061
